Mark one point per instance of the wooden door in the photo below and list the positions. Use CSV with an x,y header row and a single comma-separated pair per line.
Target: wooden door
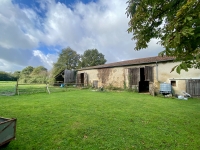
x,y
78,79
134,77
193,87
85,79
148,71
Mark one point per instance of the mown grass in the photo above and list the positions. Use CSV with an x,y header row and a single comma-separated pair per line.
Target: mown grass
x,y
83,119
8,88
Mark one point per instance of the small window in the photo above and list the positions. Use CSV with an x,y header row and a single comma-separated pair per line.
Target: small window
x,y
173,83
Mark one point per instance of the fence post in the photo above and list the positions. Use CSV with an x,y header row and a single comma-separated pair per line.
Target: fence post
x,y
16,88
47,88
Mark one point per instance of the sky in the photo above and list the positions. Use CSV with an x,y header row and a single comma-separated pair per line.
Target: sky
x,y
34,32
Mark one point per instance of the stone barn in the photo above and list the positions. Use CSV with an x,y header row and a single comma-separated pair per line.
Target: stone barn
x,y
144,75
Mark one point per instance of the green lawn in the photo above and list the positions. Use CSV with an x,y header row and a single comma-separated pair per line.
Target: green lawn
x,y
8,88
83,119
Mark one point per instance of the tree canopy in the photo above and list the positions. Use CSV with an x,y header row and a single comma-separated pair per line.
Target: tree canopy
x,y
176,23
32,75
92,57
68,59
16,74
40,70
5,76
27,71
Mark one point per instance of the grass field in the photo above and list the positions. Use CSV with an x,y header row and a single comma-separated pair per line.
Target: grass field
x,y
84,119
8,88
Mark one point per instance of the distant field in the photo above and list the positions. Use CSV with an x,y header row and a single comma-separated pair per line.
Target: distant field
x,y
7,87
84,119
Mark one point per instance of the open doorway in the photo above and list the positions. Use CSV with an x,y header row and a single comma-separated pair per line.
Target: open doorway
x,y
141,77
82,78
143,85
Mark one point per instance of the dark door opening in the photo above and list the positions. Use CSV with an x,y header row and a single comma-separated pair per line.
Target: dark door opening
x,y
143,85
82,78
142,76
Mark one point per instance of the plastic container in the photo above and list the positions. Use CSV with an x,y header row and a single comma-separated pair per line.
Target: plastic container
x,y
165,88
62,85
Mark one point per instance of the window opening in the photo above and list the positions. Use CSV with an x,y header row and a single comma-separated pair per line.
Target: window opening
x,y
173,83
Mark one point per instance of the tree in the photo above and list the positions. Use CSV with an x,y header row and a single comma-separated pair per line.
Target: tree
x,y
92,57
4,76
32,75
16,74
40,70
176,23
25,74
68,59
38,75
27,71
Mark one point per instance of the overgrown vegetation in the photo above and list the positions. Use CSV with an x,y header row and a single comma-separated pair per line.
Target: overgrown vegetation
x,y
111,87
34,75
27,75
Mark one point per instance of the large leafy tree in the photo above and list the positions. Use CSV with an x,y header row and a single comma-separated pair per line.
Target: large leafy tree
x,y
16,74
39,75
27,71
68,59
32,75
175,22
92,57
39,71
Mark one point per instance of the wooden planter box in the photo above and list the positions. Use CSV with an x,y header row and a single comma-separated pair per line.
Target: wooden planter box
x,y
7,130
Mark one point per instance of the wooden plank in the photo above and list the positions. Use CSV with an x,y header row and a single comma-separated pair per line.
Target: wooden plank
x,y
134,76
148,71
85,79
193,87
78,79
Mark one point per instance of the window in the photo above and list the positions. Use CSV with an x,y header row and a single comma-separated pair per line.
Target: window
x,y
173,83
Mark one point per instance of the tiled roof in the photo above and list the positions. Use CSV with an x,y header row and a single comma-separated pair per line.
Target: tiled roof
x,y
146,60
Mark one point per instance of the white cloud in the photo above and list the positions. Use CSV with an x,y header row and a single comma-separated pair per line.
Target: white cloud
x,y
102,25
9,66
47,60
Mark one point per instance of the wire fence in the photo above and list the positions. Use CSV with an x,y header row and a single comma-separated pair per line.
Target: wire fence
x,y
8,88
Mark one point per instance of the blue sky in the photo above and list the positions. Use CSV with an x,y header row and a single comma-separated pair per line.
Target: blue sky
x,y
33,32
